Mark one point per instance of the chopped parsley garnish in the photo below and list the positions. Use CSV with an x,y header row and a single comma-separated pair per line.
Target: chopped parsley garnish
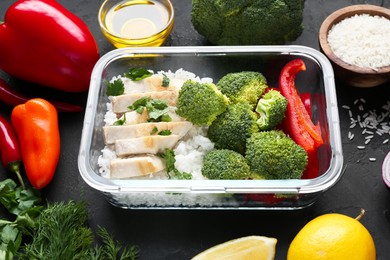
x,y
154,130
116,88
165,132
120,121
165,81
139,104
157,109
173,173
137,74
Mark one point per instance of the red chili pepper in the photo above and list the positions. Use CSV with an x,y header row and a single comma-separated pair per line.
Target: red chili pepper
x,y
10,149
301,127
13,98
36,124
44,43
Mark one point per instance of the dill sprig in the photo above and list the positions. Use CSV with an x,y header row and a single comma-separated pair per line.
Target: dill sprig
x,y
63,233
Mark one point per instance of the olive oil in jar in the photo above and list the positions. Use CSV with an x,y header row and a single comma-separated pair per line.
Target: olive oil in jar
x,y
139,21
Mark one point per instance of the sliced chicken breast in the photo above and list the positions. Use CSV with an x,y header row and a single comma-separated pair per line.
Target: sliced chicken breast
x,y
135,166
113,133
121,103
145,145
150,84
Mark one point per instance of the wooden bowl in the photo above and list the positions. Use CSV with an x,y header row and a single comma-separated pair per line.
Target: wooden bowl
x,y
353,75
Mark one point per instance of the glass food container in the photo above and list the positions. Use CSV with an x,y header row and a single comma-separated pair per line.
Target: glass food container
x,y
214,62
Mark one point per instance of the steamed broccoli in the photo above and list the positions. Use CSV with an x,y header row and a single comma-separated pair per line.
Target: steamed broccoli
x,y
274,155
231,129
243,87
200,103
248,22
225,165
271,109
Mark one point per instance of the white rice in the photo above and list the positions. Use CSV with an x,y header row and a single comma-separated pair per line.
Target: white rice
x,y
362,40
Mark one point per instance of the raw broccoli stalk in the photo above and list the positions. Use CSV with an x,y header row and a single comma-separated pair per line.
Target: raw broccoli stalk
x,y
273,155
243,87
231,129
271,109
225,165
200,103
251,22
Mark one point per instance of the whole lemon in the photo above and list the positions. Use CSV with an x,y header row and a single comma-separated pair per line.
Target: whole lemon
x,y
332,236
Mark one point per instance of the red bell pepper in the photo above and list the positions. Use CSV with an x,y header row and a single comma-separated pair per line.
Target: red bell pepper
x,y
44,43
301,127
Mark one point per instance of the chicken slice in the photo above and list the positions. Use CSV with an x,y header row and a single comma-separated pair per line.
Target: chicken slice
x,y
150,84
135,166
112,133
152,144
121,103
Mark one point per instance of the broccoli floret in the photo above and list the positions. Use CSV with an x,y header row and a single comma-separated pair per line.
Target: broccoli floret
x,y
200,103
231,129
271,108
274,155
225,165
243,22
243,87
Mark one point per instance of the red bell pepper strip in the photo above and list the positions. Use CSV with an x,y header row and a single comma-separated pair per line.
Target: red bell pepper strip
x,y
312,167
44,43
302,130
13,98
36,124
9,149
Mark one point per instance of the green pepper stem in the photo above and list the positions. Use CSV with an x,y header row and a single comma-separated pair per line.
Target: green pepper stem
x,y
15,168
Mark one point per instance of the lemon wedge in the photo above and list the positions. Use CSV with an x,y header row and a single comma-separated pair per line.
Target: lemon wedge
x,y
250,247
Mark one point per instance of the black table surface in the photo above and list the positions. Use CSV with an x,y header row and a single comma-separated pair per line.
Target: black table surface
x,y
180,234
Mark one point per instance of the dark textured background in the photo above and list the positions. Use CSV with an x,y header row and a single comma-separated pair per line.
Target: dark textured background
x,y
163,234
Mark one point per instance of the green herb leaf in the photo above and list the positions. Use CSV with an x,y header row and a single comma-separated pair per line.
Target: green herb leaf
x,y
165,118
173,173
116,88
120,121
154,130
165,81
137,74
111,249
155,114
22,203
139,104
165,132
182,175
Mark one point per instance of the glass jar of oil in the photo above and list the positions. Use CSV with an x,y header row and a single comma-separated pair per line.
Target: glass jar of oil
x,y
136,22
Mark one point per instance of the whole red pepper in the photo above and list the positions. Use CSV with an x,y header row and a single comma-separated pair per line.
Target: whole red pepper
x,y
44,43
10,149
12,97
36,125
301,127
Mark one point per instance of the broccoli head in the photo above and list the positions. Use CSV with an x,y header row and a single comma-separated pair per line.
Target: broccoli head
x,y
248,22
231,129
225,165
243,87
271,108
200,103
274,155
